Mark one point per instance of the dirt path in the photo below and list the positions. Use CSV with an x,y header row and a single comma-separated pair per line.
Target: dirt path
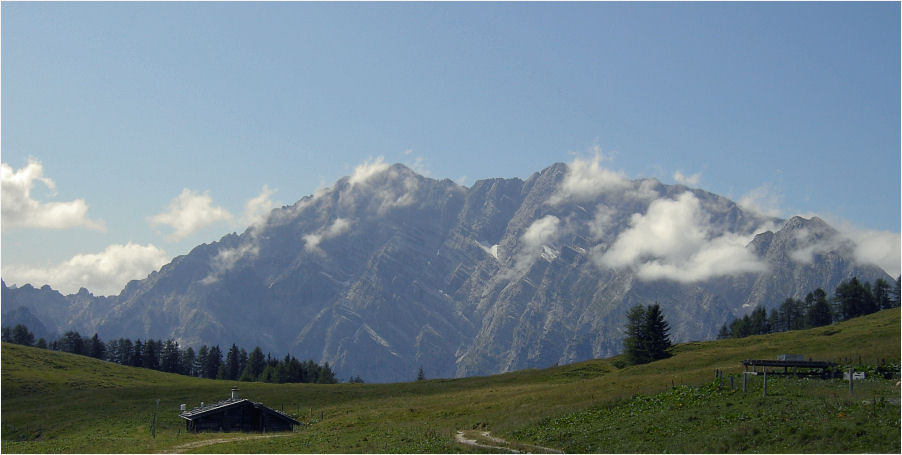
x,y
485,440
208,442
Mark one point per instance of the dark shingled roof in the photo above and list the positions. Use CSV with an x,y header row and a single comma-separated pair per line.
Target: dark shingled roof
x,y
202,411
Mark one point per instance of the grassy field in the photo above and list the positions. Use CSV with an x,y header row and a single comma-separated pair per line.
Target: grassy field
x,y
55,402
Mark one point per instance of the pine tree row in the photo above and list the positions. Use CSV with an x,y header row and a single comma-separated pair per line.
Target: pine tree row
x,y
167,356
851,299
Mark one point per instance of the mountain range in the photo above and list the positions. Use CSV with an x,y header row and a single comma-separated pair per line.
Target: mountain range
x,y
388,271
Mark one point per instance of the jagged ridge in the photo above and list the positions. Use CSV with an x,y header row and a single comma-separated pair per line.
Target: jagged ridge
x,y
388,271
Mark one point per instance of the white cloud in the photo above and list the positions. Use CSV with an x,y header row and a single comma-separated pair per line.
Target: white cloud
x,y
311,242
880,248
674,241
763,200
190,212
601,222
418,164
586,179
669,229
808,244
688,180
380,186
227,258
104,273
288,214
20,210
723,255
368,170
338,227
256,213
541,232
644,190
258,208
535,242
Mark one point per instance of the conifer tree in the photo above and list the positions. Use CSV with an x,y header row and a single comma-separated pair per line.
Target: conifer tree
x,y
71,342
724,332
882,295
854,299
791,315
137,357
171,357
96,348
152,354
212,362
895,291
819,313
232,364
758,324
21,335
635,342
648,336
200,361
188,359
657,332
326,375
255,365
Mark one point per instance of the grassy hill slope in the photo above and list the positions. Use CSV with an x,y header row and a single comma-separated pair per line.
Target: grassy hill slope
x,y
57,402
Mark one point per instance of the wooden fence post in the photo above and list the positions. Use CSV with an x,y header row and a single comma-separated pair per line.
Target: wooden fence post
x,y
153,425
745,381
765,381
851,381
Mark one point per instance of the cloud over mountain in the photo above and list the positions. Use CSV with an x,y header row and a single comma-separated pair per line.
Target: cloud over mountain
x,y
257,209
674,240
764,199
536,240
189,212
21,210
338,227
378,187
586,179
688,180
881,248
367,170
104,273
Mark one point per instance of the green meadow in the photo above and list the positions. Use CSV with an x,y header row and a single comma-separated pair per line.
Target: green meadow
x,y
55,402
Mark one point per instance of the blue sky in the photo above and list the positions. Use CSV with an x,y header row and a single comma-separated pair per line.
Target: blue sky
x,y
117,116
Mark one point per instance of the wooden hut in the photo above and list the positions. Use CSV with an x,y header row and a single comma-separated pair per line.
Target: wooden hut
x,y
236,414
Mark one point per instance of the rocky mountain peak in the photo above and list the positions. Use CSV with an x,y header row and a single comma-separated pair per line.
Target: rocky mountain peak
x,y
387,271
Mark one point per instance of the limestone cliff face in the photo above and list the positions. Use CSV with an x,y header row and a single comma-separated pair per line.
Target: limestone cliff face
x,y
382,274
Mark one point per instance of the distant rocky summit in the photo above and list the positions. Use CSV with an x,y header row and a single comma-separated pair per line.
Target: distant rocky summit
x,y
388,271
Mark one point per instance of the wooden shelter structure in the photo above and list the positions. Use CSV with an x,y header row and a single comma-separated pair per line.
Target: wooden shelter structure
x,y
799,367
236,414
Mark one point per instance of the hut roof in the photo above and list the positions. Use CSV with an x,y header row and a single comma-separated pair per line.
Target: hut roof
x,y
212,408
